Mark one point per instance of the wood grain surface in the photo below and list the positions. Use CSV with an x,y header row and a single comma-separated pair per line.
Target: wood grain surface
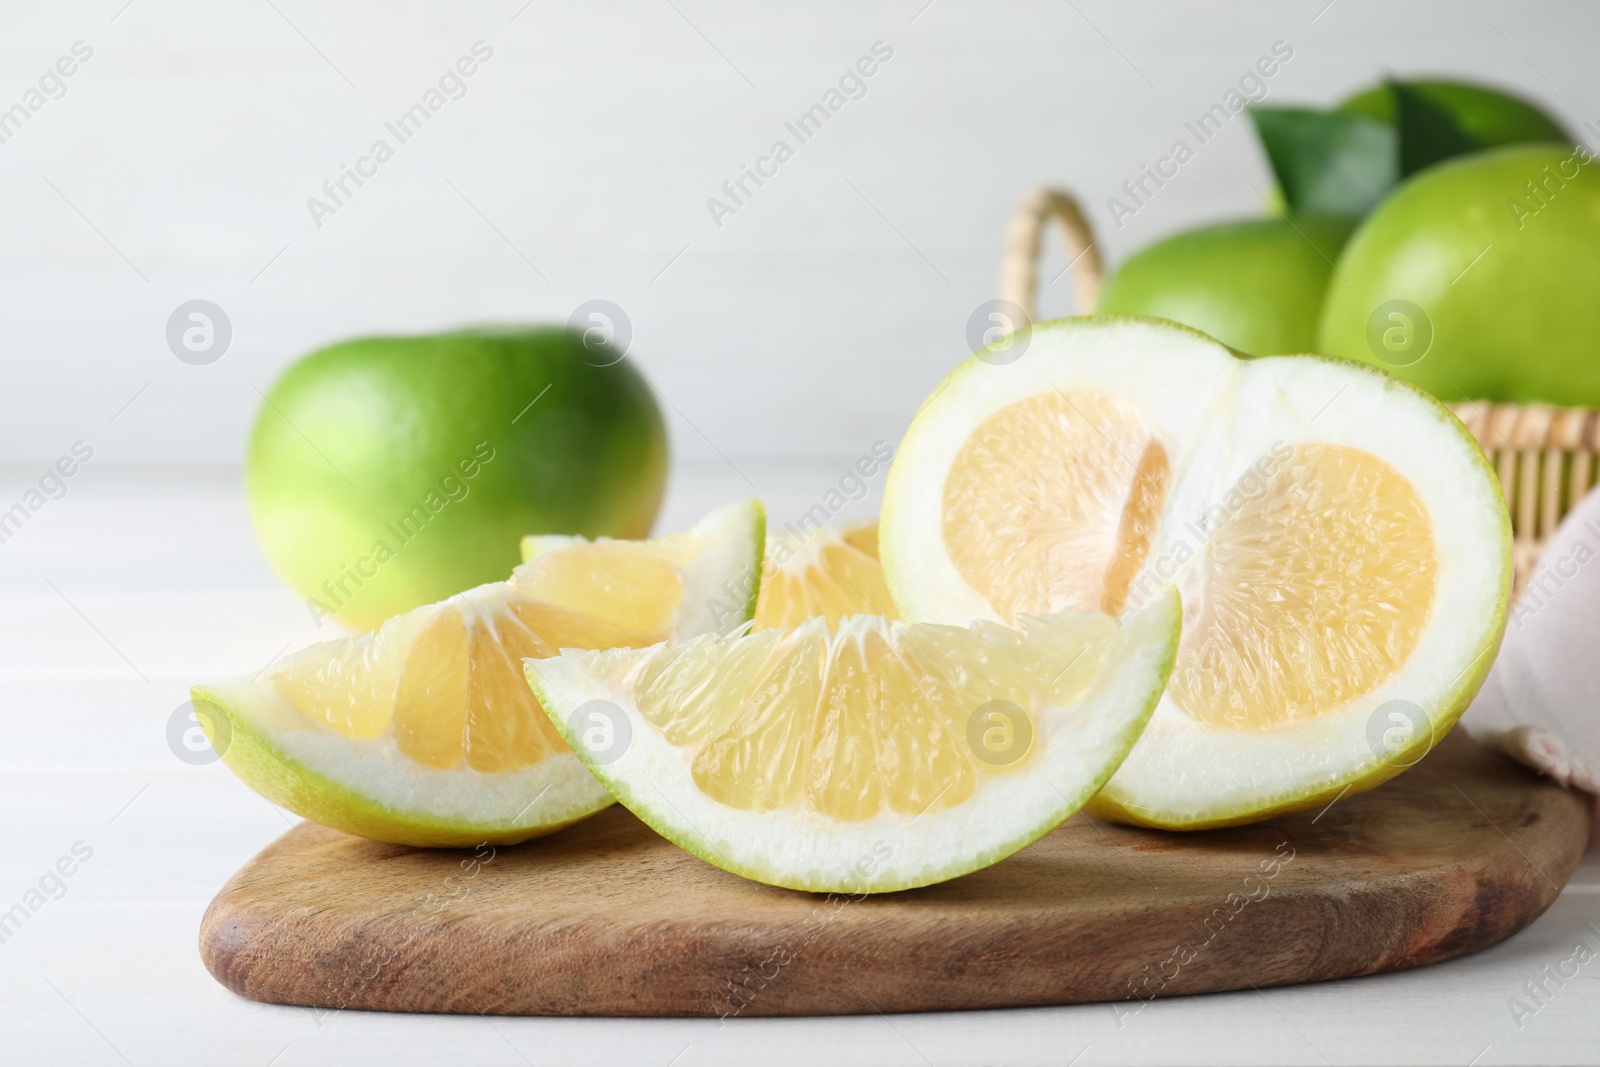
x,y
606,918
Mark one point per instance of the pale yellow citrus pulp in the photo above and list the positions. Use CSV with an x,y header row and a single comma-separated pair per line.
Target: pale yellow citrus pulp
x,y
425,731
833,575
870,718
1313,590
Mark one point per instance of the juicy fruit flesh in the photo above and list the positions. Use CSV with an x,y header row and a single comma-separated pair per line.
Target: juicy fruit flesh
x,y
1311,593
456,700
1314,592
1052,503
876,717
636,585
835,576
447,681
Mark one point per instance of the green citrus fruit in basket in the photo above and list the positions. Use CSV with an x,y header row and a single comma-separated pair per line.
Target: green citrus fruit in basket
x,y
389,472
1341,545
1477,279
1255,285
425,732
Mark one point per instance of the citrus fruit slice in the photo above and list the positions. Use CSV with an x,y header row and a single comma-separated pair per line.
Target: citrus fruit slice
x,y
834,574
869,757
425,732
1341,545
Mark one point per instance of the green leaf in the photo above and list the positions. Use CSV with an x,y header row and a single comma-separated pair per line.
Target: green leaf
x,y
1493,116
1429,134
1328,162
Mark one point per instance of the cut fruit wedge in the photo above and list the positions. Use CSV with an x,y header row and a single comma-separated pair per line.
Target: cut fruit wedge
x,y
425,732
1341,545
872,757
833,574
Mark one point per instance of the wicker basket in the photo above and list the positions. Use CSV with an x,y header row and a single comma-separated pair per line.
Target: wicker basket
x,y
1544,455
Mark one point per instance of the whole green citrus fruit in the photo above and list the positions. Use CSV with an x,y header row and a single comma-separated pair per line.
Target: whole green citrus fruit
x,y
1477,279
1256,286
389,472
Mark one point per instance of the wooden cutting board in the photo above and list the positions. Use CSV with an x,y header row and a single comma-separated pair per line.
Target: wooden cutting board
x,y
606,918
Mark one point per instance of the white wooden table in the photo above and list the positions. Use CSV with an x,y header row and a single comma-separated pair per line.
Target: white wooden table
x,y
136,585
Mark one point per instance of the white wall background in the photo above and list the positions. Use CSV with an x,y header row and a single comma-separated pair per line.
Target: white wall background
x,y
178,164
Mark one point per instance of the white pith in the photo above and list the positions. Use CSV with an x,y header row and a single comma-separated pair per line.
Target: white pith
x,y
1078,747
1217,415
721,581
554,791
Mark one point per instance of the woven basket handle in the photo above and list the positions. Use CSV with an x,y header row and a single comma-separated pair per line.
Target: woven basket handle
x,y
1019,270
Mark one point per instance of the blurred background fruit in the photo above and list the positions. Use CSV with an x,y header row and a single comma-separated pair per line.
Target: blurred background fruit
x,y
1478,279
1346,159
1260,286
389,472
1255,285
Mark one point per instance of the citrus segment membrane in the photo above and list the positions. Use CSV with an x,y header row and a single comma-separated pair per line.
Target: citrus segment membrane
x,y
425,731
784,755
